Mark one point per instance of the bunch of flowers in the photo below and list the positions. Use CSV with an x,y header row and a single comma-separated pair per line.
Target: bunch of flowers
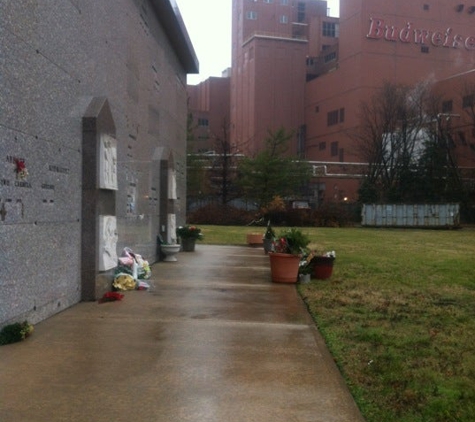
x,y
306,264
189,232
21,170
292,241
15,332
111,297
325,257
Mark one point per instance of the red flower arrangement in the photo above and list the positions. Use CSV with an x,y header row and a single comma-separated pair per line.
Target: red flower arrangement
x,y
111,297
189,232
21,170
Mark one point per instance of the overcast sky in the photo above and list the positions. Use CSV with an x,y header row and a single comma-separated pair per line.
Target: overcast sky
x,y
208,23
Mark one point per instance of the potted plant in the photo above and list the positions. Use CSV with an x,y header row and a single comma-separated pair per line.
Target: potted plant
x,y
289,247
269,238
188,235
323,265
254,239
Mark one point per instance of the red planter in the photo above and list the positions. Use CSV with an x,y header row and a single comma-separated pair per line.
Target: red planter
x,y
323,267
284,267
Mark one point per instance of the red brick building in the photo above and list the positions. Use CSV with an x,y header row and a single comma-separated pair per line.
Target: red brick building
x,y
209,104
296,67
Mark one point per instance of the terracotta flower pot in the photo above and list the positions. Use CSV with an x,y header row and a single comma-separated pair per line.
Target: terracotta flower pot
x,y
284,267
254,239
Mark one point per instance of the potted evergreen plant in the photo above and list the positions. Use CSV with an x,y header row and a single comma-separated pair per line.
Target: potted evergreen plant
x,y
289,247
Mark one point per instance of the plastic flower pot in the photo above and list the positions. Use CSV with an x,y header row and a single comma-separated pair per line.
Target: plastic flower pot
x,y
322,267
188,244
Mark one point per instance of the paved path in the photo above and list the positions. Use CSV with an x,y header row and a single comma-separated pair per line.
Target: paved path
x,y
213,341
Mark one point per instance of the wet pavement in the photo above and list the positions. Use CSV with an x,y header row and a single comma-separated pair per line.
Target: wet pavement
x,y
213,340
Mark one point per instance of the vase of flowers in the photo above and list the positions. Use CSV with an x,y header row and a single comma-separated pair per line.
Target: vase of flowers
x,y
285,259
188,236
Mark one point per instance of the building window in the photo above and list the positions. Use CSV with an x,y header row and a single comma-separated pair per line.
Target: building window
x,y
330,57
284,2
268,1
426,7
342,115
447,106
341,155
203,122
251,15
322,146
424,49
332,118
284,19
468,101
334,148
317,109
330,29
301,12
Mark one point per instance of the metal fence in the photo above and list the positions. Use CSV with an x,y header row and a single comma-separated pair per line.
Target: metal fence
x,y
411,215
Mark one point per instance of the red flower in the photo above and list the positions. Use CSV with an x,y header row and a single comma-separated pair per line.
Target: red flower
x,y
20,165
111,297
20,169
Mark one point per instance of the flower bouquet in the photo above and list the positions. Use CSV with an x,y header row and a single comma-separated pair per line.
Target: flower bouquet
x,y
323,265
188,235
189,232
15,332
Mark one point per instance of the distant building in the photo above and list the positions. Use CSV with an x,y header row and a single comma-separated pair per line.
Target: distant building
x,y
296,67
209,119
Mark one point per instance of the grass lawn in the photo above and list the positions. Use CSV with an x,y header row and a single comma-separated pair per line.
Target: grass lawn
x,y
398,315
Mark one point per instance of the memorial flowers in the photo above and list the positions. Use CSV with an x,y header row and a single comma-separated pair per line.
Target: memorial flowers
x,y
189,232
111,297
20,170
15,332
291,241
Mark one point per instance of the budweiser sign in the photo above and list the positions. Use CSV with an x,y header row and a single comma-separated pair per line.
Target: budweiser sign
x,y
409,33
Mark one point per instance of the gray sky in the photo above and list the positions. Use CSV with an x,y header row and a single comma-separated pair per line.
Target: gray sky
x,y
209,26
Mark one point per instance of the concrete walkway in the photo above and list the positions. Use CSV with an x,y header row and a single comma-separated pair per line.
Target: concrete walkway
x,y
214,340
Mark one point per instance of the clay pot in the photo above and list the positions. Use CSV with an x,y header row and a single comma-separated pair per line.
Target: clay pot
x,y
284,267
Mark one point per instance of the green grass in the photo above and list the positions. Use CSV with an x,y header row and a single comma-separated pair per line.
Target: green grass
x,y
398,315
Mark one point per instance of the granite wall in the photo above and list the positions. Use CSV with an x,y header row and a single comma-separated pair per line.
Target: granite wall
x,y
58,59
